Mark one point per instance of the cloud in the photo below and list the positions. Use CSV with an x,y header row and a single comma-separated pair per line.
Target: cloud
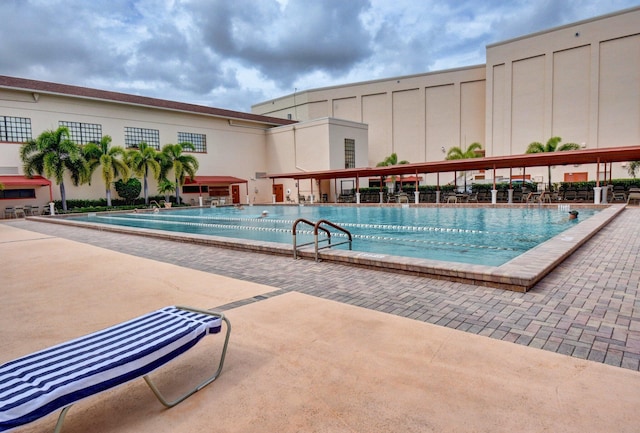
x,y
235,54
285,41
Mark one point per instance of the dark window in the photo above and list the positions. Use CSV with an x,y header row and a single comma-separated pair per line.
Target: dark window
x,y
15,129
199,141
83,133
191,189
18,193
349,153
134,136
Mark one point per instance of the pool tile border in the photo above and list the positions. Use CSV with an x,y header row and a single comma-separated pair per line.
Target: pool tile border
x,y
519,274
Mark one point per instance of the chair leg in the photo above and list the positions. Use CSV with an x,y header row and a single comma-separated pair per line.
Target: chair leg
x,y
58,428
182,398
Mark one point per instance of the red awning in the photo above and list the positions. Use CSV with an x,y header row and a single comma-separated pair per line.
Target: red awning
x,y
13,181
214,180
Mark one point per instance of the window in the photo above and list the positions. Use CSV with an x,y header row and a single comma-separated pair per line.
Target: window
x,y
18,193
191,189
134,136
349,153
199,141
15,129
83,133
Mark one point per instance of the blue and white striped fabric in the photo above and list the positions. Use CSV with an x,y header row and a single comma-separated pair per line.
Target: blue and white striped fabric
x,y
38,384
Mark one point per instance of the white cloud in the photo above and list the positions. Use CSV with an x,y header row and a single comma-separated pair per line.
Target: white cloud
x,y
235,54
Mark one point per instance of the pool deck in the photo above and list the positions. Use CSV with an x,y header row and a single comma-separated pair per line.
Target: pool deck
x,y
329,347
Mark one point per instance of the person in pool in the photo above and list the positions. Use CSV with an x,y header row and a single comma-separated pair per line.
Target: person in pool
x,y
573,214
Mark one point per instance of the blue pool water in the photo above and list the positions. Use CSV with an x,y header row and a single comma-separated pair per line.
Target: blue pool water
x,y
488,236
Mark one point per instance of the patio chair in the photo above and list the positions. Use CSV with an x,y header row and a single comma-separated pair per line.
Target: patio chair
x,y
19,211
633,196
10,212
30,210
55,378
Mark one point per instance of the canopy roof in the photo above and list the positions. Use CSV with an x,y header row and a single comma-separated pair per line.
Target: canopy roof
x,y
16,180
214,180
584,156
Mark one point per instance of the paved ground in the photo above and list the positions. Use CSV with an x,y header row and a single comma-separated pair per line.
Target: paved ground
x,y
588,307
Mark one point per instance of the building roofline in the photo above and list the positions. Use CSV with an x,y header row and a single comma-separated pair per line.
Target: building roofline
x,y
45,87
379,80
564,26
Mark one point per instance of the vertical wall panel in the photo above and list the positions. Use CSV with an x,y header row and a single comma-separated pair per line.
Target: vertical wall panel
x,y
346,108
442,130
375,114
571,84
527,103
472,118
406,124
619,92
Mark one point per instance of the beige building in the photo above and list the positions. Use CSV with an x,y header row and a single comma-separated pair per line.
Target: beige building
x,y
234,150
580,82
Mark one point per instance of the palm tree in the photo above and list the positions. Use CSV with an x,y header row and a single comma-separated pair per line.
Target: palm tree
x,y
166,187
142,160
552,145
51,155
632,167
473,151
108,157
182,165
389,161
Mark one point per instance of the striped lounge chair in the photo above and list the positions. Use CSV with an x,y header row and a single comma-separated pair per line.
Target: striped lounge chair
x,y
55,378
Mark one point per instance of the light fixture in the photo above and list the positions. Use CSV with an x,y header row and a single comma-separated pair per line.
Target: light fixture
x,y
443,151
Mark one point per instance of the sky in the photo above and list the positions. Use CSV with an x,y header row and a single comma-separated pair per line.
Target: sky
x,y
232,54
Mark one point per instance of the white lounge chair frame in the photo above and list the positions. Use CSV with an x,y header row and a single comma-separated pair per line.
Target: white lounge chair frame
x,y
197,324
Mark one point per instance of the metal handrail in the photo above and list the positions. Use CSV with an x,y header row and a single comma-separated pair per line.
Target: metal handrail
x,y
335,226
293,230
316,241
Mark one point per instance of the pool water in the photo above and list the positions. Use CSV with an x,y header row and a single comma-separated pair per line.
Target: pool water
x,y
487,236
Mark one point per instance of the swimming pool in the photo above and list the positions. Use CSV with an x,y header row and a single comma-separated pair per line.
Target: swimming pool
x,y
481,236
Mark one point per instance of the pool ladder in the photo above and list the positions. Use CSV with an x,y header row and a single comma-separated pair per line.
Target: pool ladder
x,y
317,227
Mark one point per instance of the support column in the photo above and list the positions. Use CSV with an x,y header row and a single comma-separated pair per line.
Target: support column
x,y
597,194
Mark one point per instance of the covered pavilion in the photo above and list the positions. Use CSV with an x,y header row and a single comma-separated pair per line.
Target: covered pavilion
x,y
216,186
602,157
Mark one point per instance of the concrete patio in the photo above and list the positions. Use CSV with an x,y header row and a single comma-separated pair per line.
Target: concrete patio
x,y
296,361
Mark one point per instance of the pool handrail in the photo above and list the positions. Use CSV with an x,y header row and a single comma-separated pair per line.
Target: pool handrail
x,y
335,226
293,231
316,241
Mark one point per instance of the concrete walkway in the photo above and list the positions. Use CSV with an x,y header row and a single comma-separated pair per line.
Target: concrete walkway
x,y
298,362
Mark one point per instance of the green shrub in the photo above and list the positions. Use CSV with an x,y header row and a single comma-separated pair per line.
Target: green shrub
x,y
129,190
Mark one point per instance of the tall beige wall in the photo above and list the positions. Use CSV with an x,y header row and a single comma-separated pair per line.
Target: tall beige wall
x,y
412,116
580,82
